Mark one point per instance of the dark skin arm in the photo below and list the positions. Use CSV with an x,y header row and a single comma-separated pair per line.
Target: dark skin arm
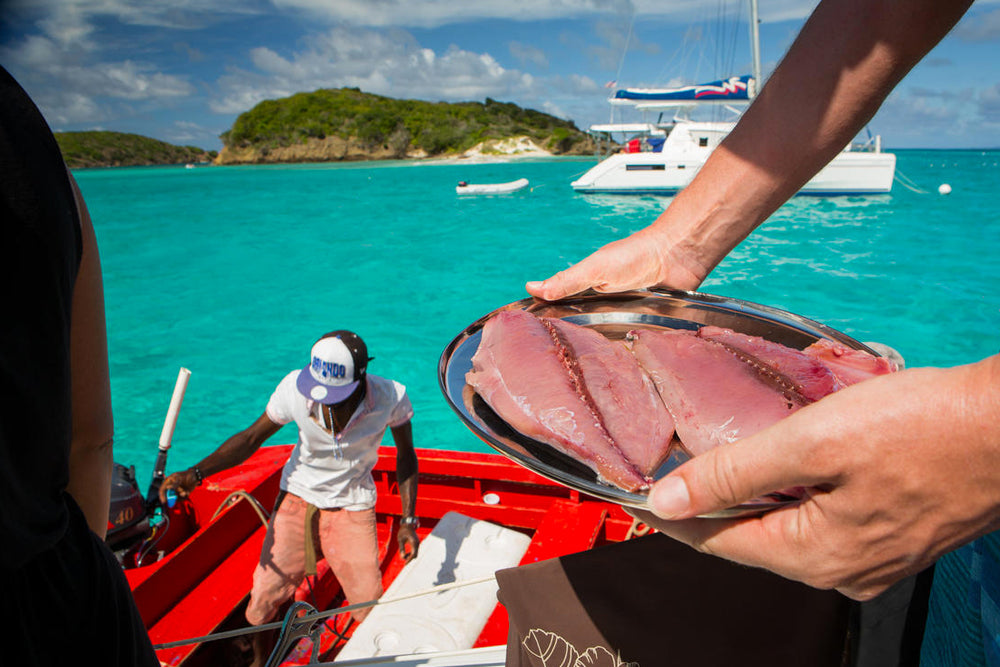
x,y
406,476
234,451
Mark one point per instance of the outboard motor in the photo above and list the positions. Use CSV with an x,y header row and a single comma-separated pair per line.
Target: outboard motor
x,y
128,522
132,519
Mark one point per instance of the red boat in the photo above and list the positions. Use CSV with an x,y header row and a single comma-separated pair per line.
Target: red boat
x,y
191,576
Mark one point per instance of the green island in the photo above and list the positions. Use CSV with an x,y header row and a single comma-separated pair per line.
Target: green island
x,y
344,124
348,124
121,149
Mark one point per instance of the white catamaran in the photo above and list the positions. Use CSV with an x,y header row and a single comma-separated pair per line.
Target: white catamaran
x,y
662,156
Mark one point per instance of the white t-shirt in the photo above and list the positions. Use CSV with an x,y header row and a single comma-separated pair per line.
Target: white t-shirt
x,y
336,470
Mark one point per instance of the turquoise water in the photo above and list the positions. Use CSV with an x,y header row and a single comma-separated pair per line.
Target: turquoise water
x,y
233,272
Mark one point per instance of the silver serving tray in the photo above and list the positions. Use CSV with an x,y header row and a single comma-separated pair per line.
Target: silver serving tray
x,y
614,315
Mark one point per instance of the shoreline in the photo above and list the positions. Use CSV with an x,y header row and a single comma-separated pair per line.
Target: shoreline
x,y
408,161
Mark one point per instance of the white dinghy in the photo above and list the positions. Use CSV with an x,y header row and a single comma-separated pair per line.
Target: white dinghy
x,y
464,188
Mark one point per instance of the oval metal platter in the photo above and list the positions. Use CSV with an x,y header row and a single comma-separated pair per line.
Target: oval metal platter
x,y
614,315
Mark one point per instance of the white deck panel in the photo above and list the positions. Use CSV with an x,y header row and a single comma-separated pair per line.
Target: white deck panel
x,y
458,549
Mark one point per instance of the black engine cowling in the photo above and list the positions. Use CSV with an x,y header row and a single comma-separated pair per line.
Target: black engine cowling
x,y
128,523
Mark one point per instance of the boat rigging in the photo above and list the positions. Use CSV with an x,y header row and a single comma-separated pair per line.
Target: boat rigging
x,y
662,157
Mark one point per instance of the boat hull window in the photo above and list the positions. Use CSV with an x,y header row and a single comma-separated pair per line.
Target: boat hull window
x,y
645,167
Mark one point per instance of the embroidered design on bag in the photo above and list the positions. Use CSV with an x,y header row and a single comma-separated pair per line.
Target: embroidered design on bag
x,y
555,651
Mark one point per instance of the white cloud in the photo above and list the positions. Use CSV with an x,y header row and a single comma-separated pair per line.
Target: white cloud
x,y
130,81
983,27
68,27
63,108
553,110
388,63
527,54
185,133
364,44
433,13
71,19
60,61
124,80
988,105
69,91
36,53
938,118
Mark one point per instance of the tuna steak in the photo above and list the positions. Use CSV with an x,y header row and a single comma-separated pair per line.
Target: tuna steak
x,y
715,396
806,375
624,397
849,365
525,374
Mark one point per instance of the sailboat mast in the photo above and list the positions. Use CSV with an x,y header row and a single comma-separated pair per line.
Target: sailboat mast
x,y
755,44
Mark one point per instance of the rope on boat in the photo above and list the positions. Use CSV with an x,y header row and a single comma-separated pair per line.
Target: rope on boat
x,y
637,529
235,497
902,179
153,540
228,634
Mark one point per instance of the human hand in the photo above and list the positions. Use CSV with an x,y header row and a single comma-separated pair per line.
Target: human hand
x,y
647,258
898,470
182,483
409,543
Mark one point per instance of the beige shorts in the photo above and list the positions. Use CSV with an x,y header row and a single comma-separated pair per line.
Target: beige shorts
x,y
350,546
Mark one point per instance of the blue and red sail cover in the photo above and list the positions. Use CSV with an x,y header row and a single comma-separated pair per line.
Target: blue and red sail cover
x,y
733,88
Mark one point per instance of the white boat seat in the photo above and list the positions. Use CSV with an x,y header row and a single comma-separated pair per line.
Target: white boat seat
x,y
459,548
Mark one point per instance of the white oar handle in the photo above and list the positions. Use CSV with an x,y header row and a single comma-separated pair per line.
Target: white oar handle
x,y
175,407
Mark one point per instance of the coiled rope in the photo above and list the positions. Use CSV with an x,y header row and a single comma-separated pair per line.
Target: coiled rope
x,y
235,497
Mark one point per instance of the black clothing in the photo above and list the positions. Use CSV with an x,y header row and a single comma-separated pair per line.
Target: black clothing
x,y
72,604
39,257
652,601
63,596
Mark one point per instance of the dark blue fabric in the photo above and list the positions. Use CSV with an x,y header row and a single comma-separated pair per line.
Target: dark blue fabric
x,y
963,622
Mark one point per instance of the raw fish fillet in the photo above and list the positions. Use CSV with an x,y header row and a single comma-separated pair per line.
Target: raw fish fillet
x,y
808,376
849,365
624,397
526,376
714,396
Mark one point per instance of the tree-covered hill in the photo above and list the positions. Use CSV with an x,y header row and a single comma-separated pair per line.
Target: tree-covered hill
x,y
120,149
346,123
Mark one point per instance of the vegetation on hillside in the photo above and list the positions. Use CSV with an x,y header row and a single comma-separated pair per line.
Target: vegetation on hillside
x,y
400,126
120,149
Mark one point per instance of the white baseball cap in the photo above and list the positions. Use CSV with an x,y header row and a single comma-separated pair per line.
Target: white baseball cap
x,y
337,367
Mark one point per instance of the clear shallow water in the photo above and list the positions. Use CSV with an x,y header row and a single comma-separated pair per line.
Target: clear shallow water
x,y
233,272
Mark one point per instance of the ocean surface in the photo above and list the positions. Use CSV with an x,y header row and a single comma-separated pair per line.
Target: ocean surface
x,y
233,272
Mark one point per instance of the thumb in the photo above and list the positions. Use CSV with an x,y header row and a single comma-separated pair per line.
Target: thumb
x,y
563,284
727,476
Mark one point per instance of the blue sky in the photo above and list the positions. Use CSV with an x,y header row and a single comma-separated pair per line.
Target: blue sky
x,y
183,70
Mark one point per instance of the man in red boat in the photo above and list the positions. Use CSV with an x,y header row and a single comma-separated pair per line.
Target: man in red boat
x,y
342,413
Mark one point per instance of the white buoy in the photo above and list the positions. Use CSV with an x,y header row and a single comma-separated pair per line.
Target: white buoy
x,y
944,189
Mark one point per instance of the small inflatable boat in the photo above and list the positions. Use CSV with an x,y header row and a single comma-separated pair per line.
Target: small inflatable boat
x,y
464,188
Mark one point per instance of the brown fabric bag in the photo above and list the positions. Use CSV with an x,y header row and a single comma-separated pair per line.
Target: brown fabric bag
x,y
654,602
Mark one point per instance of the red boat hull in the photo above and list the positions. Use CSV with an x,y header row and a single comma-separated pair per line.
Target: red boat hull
x,y
201,583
